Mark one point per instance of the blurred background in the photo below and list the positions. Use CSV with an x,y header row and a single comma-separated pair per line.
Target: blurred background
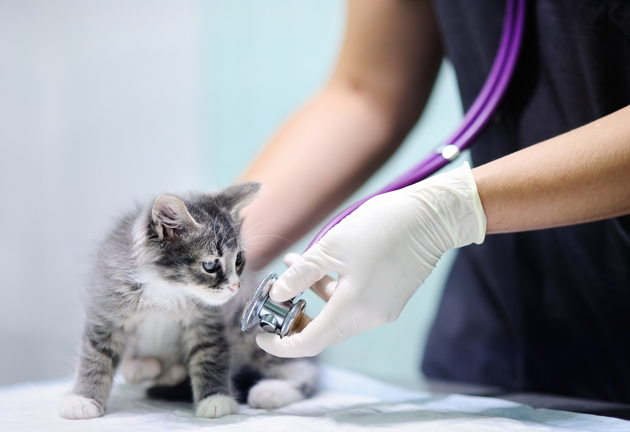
x,y
111,102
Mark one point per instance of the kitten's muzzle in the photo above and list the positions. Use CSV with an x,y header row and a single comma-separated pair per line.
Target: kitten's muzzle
x,y
281,318
234,287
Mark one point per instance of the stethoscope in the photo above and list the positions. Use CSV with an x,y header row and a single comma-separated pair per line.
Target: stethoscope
x,y
288,317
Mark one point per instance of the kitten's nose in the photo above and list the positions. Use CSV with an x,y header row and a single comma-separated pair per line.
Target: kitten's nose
x,y
234,287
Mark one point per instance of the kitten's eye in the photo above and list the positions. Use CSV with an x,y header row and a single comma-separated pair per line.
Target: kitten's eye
x,y
239,258
212,267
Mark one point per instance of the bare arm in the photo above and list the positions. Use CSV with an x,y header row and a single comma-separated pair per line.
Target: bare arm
x,y
390,58
580,176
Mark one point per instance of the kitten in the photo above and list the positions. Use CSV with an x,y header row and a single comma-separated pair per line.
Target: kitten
x,y
165,302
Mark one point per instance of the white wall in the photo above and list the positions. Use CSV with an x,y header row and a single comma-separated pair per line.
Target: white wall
x,y
99,106
108,102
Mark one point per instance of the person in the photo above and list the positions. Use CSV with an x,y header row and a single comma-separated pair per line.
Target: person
x,y
542,301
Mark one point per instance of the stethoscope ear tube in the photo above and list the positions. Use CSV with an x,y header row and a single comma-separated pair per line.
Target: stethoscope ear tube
x,y
475,119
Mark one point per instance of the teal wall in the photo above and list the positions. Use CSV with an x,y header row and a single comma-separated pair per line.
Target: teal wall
x,y
263,60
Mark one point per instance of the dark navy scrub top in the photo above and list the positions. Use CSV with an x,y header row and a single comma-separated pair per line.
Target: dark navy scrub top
x,y
548,310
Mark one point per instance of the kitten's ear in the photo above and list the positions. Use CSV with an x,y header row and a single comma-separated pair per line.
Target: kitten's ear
x,y
237,196
170,217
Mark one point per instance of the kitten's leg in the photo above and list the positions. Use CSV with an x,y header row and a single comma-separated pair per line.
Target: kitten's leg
x,y
209,369
100,353
287,382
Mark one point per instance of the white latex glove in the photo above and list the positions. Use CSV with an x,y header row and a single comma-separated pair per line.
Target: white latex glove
x,y
382,253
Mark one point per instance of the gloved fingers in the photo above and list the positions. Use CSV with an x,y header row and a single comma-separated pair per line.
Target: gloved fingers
x,y
316,336
323,287
291,258
303,273
287,347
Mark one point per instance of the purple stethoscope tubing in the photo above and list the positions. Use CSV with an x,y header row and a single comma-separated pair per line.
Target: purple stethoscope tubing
x,y
475,119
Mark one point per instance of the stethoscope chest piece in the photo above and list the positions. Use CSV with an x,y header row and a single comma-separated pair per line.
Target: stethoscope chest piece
x,y
281,318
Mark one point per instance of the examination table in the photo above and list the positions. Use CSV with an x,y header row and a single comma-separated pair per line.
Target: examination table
x,y
346,402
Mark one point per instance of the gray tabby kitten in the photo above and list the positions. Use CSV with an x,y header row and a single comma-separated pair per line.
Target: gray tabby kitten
x,y
164,304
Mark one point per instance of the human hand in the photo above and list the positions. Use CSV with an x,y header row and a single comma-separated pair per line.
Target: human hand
x,y
382,253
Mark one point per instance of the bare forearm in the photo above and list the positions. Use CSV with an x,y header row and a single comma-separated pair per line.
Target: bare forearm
x,y
316,161
580,176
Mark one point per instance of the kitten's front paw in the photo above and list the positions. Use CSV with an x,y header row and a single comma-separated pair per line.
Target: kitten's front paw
x,y
75,407
217,406
138,370
269,394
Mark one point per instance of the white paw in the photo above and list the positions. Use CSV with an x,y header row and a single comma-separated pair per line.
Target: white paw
x,y
77,407
173,375
216,406
138,370
269,394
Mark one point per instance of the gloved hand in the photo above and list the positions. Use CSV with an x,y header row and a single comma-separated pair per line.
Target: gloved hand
x,y
382,253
